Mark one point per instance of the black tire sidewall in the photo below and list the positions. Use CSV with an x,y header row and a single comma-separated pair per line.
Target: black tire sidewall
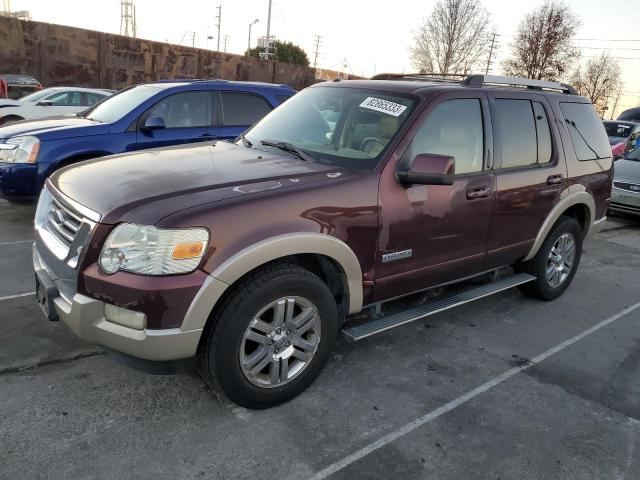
x,y
224,358
564,225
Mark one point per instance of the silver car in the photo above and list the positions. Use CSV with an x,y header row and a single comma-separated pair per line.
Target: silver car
x,y
50,102
625,196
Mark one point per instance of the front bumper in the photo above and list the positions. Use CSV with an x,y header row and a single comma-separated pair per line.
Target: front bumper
x,y
625,201
85,317
19,181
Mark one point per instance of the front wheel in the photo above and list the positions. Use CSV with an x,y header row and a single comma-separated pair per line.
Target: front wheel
x,y
555,264
271,336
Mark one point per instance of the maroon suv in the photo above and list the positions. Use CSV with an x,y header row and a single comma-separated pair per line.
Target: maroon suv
x,y
252,255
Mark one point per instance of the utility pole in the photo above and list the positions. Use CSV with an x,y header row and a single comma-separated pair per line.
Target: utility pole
x,y
615,105
315,55
226,38
493,42
127,18
193,39
267,47
219,17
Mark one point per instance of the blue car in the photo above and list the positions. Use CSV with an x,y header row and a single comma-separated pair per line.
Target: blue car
x,y
145,116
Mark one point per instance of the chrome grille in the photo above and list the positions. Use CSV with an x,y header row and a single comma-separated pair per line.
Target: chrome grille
x,y
63,225
630,187
63,222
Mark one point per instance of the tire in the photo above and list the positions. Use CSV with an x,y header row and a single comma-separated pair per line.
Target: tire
x,y
234,346
546,287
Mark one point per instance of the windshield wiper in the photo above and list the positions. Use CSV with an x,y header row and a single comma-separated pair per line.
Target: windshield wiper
x,y
573,124
288,147
245,141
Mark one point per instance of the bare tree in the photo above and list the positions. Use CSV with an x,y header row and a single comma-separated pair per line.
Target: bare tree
x,y
453,39
543,48
599,81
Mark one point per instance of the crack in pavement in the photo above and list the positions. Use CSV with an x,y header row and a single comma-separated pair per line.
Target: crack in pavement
x,y
25,368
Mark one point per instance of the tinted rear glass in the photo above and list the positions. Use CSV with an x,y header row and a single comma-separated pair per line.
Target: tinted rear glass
x,y
517,133
615,129
243,109
587,132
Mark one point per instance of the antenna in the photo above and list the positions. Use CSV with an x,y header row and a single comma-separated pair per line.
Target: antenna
x,y
127,18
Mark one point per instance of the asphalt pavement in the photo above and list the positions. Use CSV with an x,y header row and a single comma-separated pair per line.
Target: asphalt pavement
x,y
503,388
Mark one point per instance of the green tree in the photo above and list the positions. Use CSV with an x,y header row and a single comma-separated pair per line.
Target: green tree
x,y
286,52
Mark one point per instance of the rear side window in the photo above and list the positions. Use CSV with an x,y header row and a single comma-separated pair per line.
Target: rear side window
x,y
184,110
588,135
243,109
543,133
517,133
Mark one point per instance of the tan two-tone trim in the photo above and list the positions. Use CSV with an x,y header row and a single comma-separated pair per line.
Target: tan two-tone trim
x,y
574,195
266,251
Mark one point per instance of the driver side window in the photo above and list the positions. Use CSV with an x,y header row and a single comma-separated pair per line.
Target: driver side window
x,y
184,110
453,128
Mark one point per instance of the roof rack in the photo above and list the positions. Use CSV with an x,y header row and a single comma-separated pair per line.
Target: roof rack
x,y
480,80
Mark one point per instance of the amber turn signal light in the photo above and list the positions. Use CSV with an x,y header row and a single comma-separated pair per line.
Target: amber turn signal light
x,y
183,251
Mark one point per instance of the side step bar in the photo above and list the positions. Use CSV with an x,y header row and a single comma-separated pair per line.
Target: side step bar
x,y
379,325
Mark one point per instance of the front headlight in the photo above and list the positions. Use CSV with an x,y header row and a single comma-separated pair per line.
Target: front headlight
x,y
148,250
20,150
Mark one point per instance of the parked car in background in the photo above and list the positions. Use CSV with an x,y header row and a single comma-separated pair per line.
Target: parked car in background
x,y
253,254
14,86
625,196
621,131
50,102
630,115
151,115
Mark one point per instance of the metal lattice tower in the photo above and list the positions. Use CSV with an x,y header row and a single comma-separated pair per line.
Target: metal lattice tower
x,y
127,18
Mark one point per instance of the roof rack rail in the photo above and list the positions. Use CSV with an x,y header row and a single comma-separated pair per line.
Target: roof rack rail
x,y
480,80
431,77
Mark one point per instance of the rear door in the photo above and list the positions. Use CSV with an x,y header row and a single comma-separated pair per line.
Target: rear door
x,y
530,172
239,111
188,118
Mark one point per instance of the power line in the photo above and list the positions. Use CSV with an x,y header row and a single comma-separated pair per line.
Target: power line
x,y
605,48
608,39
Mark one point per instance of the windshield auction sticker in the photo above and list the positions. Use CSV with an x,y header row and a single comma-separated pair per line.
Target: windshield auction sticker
x,y
384,106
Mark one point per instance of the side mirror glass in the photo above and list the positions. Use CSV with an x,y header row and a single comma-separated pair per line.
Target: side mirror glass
x,y
154,123
45,103
428,169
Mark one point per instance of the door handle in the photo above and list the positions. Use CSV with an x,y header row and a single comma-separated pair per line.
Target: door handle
x,y
481,192
555,179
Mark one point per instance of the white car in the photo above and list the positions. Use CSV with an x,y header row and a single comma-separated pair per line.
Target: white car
x,y
50,102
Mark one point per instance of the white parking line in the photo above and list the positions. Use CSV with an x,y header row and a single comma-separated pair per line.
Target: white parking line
x,y
18,295
15,242
447,407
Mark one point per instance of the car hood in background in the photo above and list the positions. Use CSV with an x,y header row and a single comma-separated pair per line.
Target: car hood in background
x,y
146,186
627,171
53,128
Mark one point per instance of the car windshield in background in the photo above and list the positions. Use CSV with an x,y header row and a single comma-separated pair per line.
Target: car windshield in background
x,y
633,155
346,127
35,96
117,106
615,129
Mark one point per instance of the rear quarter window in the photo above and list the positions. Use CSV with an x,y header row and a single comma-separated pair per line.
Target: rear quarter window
x,y
587,132
243,109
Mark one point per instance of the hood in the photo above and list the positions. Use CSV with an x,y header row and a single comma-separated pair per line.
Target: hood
x,y
52,128
146,186
627,171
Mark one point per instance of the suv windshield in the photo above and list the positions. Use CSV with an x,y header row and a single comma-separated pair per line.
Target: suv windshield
x,y
346,127
118,105
633,155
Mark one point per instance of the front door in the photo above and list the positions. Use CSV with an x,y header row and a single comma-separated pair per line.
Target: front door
x,y
431,234
188,118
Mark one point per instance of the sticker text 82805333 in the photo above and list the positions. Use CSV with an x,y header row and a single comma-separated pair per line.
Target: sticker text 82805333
x,y
383,106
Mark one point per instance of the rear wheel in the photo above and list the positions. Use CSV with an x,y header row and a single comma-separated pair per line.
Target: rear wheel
x,y
556,262
271,337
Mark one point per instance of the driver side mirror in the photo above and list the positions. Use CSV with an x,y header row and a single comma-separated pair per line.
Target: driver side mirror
x,y
45,103
428,169
154,123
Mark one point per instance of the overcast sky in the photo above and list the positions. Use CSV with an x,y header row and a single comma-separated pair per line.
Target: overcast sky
x,y
370,37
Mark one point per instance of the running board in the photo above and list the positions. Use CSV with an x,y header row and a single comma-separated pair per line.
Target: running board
x,y
379,325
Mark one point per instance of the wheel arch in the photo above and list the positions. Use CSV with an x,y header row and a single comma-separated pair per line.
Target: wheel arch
x,y
302,248
574,202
